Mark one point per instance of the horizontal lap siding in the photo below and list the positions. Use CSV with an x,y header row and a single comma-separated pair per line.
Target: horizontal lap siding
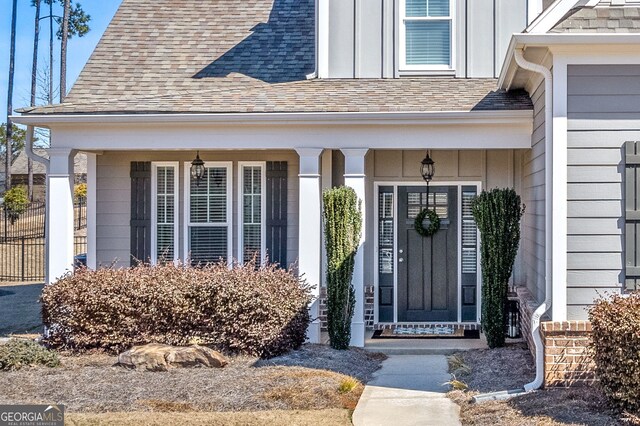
x,y
595,222
113,210
533,195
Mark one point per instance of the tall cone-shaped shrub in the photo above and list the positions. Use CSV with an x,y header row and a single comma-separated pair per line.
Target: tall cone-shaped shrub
x,y
342,231
497,214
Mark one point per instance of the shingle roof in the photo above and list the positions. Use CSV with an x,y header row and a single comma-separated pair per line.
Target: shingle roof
x,y
215,56
601,20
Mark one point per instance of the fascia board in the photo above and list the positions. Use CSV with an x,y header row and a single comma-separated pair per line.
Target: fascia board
x,y
279,119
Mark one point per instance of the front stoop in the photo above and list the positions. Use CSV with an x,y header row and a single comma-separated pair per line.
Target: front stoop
x,y
394,325
423,346
408,390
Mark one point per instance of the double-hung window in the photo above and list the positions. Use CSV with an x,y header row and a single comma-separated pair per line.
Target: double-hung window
x,y
208,214
251,229
164,207
426,35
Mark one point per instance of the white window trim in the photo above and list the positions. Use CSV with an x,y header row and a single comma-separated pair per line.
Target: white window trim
x,y
154,208
263,209
431,69
228,165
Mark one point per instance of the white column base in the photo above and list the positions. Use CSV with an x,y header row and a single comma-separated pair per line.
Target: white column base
x,y
357,334
314,332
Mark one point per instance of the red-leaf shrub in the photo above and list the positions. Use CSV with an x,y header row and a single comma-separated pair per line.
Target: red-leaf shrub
x,y
255,311
615,324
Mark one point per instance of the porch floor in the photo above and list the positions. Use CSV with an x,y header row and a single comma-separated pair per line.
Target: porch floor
x,y
422,346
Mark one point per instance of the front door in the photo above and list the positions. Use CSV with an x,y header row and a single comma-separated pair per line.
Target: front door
x,y
427,266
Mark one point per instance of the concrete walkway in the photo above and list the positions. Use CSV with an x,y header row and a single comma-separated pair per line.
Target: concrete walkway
x,y
408,390
20,309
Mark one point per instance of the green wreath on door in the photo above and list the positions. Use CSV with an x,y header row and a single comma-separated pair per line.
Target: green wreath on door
x,y
434,222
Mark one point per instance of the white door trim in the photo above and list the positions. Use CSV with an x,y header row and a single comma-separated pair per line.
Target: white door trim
x,y
395,185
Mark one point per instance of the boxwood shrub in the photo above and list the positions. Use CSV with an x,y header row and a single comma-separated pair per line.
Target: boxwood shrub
x,y
246,310
615,323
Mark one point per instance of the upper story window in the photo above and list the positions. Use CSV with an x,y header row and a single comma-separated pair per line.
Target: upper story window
x,y
426,35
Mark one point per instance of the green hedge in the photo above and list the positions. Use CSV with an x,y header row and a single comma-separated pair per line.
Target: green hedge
x,y
248,310
497,214
342,230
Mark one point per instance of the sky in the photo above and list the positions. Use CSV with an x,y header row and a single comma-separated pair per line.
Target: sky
x,y
78,51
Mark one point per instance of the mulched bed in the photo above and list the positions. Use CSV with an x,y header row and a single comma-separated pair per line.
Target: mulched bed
x,y
90,383
498,369
358,364
510,368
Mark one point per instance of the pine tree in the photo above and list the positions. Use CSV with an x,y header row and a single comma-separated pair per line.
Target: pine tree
x,y
9,129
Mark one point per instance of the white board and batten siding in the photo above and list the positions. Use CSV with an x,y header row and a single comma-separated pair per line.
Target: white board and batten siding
x,y
363,37
490,168
601,194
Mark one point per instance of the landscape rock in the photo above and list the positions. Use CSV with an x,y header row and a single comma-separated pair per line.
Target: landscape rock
x,y
159,357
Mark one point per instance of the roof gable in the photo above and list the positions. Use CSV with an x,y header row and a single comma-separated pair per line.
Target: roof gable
x,y
241,56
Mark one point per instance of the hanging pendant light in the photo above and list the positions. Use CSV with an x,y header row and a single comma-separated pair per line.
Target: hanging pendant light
x,y
197,169
428,168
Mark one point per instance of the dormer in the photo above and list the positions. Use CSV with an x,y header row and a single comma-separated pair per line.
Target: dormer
x,y
396,38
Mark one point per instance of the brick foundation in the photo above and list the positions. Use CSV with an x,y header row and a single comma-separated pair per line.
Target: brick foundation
x,y
527,305
368,307
566,357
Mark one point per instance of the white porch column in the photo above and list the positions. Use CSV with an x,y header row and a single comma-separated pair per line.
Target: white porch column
x,y
59,240
354,177
310,231
92,195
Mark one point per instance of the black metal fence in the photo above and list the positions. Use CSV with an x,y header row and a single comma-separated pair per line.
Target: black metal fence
x,y
80,214
24,259
28,224
31,222
22,241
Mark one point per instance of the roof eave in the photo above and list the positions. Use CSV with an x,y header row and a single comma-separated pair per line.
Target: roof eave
x,y
266,119
551,40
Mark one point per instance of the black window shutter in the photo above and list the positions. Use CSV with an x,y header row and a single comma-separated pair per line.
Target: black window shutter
x,y
276,220
140,211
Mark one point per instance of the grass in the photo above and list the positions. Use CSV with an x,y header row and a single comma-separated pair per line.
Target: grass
x,y
298,388
328,417
510,368
347,385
